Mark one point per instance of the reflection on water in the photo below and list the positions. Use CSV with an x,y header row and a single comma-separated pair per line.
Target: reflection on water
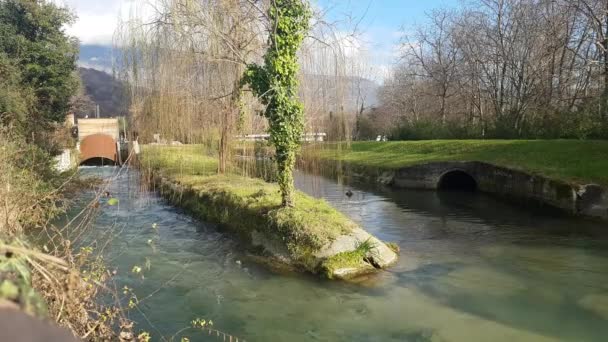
x,y
471,269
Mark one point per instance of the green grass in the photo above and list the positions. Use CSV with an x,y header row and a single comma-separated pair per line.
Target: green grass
x,y
179,160
568,160
245,204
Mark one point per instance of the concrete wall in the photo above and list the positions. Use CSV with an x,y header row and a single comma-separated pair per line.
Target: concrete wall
x,y
64,161
589,200
87,127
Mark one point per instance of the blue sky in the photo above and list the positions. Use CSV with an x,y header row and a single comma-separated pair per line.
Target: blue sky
x,y
386,13
382,21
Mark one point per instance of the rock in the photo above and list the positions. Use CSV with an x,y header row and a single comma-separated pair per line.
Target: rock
x,y
379,256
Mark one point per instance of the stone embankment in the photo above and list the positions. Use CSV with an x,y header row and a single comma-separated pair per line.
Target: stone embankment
x,y
590,200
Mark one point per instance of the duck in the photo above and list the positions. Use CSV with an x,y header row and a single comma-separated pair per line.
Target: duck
x,y
349,193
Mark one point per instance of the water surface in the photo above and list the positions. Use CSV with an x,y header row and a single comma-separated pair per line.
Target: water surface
x,y
471,269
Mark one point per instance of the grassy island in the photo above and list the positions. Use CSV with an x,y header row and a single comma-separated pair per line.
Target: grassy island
x,y
302,236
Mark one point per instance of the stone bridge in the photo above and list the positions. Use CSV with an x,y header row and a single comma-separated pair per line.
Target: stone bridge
x,y
504,182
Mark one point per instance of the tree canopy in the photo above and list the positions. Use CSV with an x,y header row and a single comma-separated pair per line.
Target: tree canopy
x,y
37,63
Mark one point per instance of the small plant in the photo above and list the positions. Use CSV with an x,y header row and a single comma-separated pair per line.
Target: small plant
x,y
366,247
207,325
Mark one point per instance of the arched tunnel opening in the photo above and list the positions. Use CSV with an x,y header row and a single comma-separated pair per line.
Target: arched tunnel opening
x,y
457,180
97,161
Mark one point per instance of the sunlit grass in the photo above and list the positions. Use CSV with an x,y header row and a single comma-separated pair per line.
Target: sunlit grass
x,y
179,160
244,204
569,160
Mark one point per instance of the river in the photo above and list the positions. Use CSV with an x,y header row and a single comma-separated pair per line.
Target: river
x,y
472,268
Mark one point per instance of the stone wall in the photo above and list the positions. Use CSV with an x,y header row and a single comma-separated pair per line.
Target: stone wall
x,y
589,200
64,161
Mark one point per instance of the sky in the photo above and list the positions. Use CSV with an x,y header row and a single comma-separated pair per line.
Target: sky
x,y
381,21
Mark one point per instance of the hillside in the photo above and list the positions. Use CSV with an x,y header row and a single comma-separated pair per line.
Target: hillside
x,y
105,91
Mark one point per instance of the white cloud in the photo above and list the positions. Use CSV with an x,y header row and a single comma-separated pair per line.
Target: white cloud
x,y
97,20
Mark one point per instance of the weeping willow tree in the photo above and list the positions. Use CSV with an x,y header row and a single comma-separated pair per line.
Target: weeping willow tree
x,y
324,83
184,61
184,65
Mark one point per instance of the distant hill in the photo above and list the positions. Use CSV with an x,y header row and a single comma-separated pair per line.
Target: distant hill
x,y
105,91
96,66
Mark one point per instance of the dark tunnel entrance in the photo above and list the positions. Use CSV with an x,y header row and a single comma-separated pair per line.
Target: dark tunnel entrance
x,y
457,180
98,161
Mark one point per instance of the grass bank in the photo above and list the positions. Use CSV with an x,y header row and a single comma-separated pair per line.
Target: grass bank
x,y
573,161
303,236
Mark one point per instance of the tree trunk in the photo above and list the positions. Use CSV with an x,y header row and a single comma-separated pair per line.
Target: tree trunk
x,y
224,148
286,160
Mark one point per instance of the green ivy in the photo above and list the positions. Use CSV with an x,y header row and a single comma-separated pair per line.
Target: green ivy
x,y
276,84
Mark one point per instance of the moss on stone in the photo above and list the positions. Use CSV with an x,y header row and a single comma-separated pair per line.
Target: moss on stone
x,y
344,261
351,263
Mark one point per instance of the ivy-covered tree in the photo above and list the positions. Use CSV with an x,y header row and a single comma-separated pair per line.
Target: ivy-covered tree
x,y
276,84
40,59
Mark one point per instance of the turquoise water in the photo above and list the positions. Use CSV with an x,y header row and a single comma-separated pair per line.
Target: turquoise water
x,y
471,269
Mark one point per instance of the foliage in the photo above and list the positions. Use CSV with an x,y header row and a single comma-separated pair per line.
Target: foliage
x,y
276,84
38,61
15,99
16,281
505,69
568,160
28,192
432,129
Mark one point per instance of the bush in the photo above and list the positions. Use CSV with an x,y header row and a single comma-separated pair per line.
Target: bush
x,y
428,130
29,183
